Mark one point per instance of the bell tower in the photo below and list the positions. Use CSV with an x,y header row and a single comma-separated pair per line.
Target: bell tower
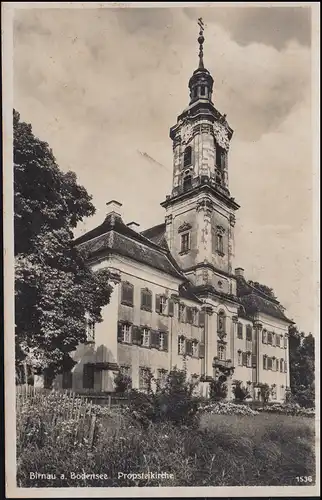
x,y
200,210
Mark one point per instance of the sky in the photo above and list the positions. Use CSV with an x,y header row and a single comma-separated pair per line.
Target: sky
x,y
103,86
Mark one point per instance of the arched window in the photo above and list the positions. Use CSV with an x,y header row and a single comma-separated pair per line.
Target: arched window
x,y
127,293
187,182
221,352
221,322
187,156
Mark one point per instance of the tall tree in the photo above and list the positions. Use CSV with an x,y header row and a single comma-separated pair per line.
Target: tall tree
x,y
54,288
302,369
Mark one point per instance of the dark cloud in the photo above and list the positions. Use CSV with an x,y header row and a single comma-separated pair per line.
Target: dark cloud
x,y
273,26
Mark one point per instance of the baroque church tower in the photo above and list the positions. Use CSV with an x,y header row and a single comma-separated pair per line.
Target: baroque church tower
x,y
200,210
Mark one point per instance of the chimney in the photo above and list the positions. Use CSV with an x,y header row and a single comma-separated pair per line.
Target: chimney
x,y
114,207
239,271
133,225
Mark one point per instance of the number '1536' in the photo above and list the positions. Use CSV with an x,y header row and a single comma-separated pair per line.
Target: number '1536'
x,y
304,479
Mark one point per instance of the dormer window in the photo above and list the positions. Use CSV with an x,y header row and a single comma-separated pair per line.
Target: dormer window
x,y
187,156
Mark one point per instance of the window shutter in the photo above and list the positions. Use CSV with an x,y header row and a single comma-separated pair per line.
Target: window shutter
x,y
119,332
277,365
254,360
189,315
170,307
264,364
273,339
157,303
154,336
136,335
202,318
166,341
244,358
201,350
189,347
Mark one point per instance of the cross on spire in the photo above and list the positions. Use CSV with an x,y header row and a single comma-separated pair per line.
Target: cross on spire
x,y
201,40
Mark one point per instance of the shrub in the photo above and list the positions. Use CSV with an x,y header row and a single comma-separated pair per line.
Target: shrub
x,y
218,390
240,392
175,402
265,392
122,383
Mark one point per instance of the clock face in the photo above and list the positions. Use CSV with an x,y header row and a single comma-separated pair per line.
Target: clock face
x,y
186,133
221,135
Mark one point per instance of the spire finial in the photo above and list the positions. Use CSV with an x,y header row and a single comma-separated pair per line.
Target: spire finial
x,y
201,40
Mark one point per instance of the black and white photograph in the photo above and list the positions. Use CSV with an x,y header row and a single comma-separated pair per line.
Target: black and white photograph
x,y
161,249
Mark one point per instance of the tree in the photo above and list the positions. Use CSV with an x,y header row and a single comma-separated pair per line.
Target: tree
x,y
54,287
302,369
265,393
240,392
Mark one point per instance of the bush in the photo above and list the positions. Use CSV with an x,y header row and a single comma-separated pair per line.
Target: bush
x,y
240,392
218,390
122,383
226,408
175,402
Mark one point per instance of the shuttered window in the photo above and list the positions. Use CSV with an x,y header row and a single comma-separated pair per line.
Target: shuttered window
x,y
249,333
189,347
127,293
201,350
239,330
189,315
163,341
170,307
146,299
201,318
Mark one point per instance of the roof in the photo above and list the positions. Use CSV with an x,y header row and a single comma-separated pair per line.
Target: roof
x,y
115,236
157,235
255,301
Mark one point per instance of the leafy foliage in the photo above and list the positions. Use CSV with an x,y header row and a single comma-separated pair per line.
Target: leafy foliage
x,y
53,285
240,392
218,390
302,369
266,290
265,392
122,383
175,402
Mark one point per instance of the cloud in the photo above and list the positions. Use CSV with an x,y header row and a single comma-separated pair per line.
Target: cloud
x,y
101,85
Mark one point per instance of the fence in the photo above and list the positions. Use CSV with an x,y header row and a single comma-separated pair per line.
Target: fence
x,y
41,409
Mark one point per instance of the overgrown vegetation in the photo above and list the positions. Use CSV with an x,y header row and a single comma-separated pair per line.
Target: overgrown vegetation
x,y
221,451
302,367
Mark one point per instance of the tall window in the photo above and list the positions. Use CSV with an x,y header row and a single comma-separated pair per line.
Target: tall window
x,y
145,337
221,352
187,182
203,90
163,341
269,363
187,156
264,336
278,340
248,359
265,364
160,304
194,349
127,293
269,338
146,299
195,316
185,242
189,315
240,358
182,309
221,322
248,333
282,365
239,330
219,157
126,333
181,345
144,378
220,243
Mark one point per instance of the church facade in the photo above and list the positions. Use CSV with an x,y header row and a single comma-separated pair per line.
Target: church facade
x,y
177,299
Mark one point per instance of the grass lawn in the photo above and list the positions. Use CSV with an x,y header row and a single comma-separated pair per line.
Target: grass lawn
x,y
226,450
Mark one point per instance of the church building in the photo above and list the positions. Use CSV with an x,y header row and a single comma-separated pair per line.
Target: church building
x,y
177,299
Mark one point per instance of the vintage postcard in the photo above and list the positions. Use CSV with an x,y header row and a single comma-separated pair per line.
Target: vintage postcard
x,y
161,249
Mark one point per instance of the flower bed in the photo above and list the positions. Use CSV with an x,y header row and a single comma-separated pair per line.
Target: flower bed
x,y
288,409
227,408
